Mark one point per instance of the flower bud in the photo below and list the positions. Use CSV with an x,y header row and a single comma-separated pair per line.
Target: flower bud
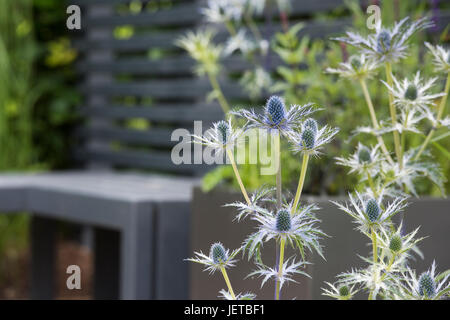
x,y
411,92
383,42
276,109
218,253
308,138
283,221
224,131
311,124
426,285
344,291
373,210
396,243
355,62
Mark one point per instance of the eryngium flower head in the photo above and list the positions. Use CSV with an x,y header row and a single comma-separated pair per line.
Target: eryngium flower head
x,y
276,116
357,67
310,123
223,11
297,227
310,140
283,221
367,213
396,243
276,109
364,160
220,136
427,287
218,258
344,291
372,210
201,48
386,45
364,156
217,253
413,94
441,58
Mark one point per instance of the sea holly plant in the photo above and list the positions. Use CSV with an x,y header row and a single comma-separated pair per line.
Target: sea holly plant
x,y
280,219
388,175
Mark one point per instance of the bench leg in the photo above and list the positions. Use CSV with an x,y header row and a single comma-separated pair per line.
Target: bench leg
x,y
43,237
106,270
136,251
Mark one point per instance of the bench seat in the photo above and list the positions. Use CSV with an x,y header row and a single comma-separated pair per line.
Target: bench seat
x,y
140,226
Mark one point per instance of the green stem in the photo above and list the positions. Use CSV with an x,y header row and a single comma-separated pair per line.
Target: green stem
x,y
227,280
253,27
371,184
439,116
278,164
374,246
393,112
374,119
280,267
238,176
301,181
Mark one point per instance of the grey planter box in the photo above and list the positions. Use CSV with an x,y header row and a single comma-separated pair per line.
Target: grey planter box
x,y
212,222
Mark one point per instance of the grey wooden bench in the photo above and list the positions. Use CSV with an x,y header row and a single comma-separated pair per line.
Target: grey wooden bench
x,y
140,222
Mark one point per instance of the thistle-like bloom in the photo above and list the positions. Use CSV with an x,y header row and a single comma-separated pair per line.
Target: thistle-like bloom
x,y
201,48
368,213
441,58
311,138
363,160
290,268
239,42
428,286
218,258
222,135
413,94
339,291
387,45
240,296
276,116
297,229
357,67
222,11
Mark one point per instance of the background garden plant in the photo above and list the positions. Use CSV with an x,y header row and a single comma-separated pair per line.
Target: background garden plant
x,y
392,175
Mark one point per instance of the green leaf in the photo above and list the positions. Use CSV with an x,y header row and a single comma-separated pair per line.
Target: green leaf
x,y
442,149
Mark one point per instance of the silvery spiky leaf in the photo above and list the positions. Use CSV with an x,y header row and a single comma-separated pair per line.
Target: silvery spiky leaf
x,y
441,58
290,268
339,291
428,286
239,42
386,44
310,141
256,81
413,94
300,233
364,160
276,116
368,214
257,201
222,135
240,296
357,67
222,11
201,48
215,260
413,170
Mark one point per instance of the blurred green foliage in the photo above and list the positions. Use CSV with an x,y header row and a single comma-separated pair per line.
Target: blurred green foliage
x,y
37,99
